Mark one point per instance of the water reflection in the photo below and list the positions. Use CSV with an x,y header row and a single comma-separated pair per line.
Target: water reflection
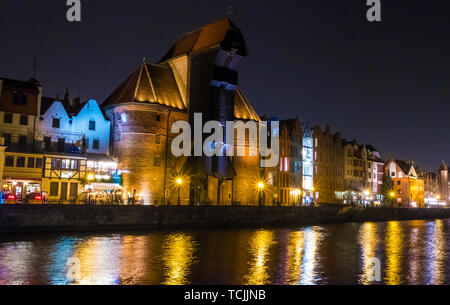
x,y
435,250
412,252
15,263
394,244
259,246
310,260
178,256
294,257
368,240
99,261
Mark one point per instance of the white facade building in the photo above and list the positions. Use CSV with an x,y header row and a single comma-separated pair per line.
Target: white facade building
x,y
89,125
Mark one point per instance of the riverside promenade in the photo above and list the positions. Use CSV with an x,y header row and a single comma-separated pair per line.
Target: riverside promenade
x,y
49,218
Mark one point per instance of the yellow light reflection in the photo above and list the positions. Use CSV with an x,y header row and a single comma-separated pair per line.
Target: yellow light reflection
x,y
260,244
294,258
99,262
368,239
134,259
178,256
394,240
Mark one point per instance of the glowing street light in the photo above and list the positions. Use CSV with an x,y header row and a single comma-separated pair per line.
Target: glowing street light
x,y
261,188
91,177
179,183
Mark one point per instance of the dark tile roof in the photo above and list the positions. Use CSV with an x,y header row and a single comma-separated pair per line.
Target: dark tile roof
x,y
29,86
211,35
153,84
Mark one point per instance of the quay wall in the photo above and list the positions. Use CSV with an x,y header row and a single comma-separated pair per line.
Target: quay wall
x,y
41,218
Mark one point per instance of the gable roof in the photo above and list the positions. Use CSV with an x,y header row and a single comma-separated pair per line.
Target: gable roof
x,y
243,110
206,37
153,84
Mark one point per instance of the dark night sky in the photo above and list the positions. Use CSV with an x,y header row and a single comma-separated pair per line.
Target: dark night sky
x,y
387,84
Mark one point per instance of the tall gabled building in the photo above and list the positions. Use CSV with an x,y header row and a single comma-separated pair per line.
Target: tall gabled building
x,y
199,74
408,185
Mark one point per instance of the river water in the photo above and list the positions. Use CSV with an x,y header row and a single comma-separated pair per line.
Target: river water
x,y
409,252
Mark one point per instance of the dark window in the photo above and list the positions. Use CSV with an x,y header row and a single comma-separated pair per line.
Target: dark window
x,y
22,142
158,118
70,122
30,163
55,123
73,190
24,120
398,182
9,161
7,137
8,118
96,144
157,162
61,144
86,143
56,163
39,163
19,98
54,186
20,162
48,143
91,125
158,140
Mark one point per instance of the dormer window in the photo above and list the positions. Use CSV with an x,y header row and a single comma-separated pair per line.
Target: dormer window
x,y
91,125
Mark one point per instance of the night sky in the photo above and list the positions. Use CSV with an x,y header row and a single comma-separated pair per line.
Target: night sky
x,y
385,84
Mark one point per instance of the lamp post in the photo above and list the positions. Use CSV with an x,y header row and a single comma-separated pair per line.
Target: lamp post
x,y
179,183
90,178
392,195
261,188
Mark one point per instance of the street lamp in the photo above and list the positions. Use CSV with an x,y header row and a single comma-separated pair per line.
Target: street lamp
x,y
179,183
261,188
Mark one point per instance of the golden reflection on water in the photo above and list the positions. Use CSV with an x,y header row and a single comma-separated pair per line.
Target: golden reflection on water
x,y
260,244
178,255
368,239
394,248
436,253
99,262
134,259
294,257
312,240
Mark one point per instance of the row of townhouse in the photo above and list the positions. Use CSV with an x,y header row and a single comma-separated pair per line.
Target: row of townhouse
x,y
50,149
349,173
